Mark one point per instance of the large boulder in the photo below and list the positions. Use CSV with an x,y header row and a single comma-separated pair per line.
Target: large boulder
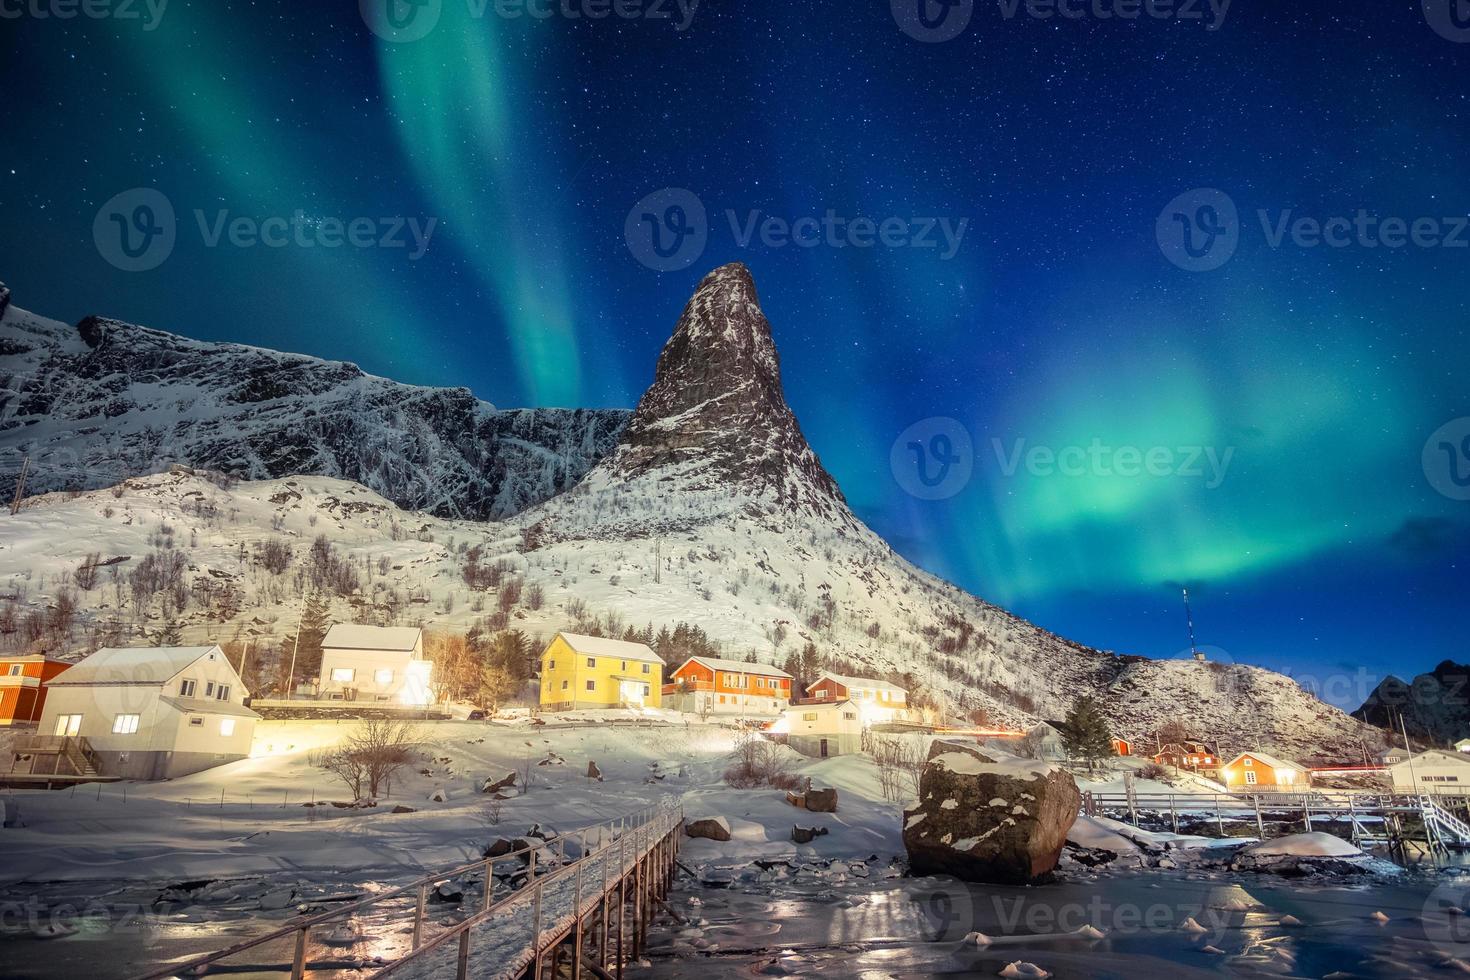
x,y
821,800
710,828
979,819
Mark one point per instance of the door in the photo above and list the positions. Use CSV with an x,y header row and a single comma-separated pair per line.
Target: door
x,y
824,748
68,725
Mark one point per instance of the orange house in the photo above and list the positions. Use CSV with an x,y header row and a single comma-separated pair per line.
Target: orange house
x,y
23,687
709,685
1257,772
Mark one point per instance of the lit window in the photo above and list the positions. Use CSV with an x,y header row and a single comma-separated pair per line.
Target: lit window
x,y
809,716
125,725
227,727
344,674
186,689
384,676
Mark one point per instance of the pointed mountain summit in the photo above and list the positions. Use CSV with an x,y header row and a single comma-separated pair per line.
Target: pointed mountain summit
x,y
716,418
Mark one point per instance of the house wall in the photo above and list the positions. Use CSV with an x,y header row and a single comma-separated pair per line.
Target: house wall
x,y
566,674
23,696
365,664
840,725
722,692
1437,774
1267,779
164,745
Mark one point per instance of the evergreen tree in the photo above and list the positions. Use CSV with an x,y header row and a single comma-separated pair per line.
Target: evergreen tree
x,y
1085,732
316,617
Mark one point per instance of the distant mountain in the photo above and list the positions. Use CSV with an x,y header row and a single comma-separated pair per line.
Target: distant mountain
x,y
102,401
710,508
1434,707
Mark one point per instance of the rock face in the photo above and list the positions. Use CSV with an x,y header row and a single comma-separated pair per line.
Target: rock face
x,y
982,820
710,828
1434,706
103,401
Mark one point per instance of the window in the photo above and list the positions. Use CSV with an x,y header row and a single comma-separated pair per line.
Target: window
x,y
223,694
384,676
344,674
68,725
196,722
1250,778
591,685
15,670
125,725
565,684
809,716
186,688
625,665
209,689
646,690
849,715
551,665
1249,762
646,668
591,661
226,727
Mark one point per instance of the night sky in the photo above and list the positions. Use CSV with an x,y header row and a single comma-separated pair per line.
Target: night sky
x,y
1334,544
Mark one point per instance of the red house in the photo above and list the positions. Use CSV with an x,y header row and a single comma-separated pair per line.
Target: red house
x,y
23,682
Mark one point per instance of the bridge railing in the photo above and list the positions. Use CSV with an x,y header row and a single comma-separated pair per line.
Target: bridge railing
x,y
333,925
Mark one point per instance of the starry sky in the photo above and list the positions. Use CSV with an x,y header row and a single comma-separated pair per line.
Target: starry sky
x,y
1322,543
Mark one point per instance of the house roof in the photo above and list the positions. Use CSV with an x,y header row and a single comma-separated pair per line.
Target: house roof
x,y
190,706
852,682
1459,758
601,646
31,658
1269,760
818,705
352,636
735,667
132,665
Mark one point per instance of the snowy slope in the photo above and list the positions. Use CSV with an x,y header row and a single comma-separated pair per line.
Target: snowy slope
x,y
712,509
104,400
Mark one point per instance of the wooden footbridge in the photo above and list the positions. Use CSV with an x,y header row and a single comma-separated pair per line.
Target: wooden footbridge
x,y
580,903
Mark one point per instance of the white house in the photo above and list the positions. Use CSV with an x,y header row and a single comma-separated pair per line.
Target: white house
x,y
877,701
1048,743
822,730
1463,745
375,663
1436,771
148,713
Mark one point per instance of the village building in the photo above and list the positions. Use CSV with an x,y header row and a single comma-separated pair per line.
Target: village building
x,y
1196,757
580,672
822,729
375,663
1436,772
877,701
1257,772
711,686
1047,742
147,713
23,681
1389,757
1463,745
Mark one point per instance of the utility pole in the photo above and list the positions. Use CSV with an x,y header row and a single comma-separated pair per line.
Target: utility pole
x,y
20,486
295,644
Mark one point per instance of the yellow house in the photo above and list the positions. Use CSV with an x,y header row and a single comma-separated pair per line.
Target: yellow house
x,y
594,672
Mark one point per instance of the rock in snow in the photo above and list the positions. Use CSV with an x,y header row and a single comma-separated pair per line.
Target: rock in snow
x,y
976,842
710,828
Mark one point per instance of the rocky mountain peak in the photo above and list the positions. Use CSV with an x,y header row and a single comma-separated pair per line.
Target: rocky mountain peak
x,y
716,410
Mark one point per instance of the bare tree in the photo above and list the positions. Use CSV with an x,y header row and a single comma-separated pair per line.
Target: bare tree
x,y
368,758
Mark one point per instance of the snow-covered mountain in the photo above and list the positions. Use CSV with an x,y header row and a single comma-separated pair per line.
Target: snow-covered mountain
x,y
1434,706
711,509
104,400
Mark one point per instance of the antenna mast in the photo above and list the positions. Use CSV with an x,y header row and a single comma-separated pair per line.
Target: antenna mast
x,y
1189,619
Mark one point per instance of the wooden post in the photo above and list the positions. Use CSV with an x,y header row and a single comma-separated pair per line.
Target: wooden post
x,y
418,915
536,929
577,922
622,900
1260,821
298,958
1219,820
489,883
462,970
1173,814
